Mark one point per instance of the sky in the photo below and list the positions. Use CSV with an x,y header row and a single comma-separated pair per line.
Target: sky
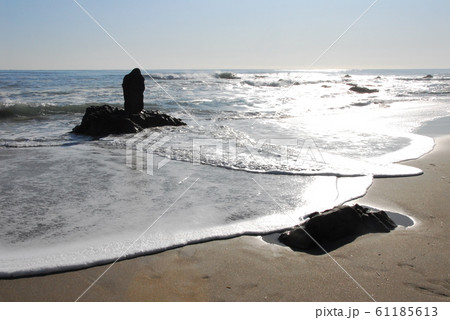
x,y
225,34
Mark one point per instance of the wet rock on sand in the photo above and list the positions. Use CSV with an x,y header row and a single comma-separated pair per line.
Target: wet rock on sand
x,y
335,224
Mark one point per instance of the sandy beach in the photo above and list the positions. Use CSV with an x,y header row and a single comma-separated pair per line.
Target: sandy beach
x,y
408,264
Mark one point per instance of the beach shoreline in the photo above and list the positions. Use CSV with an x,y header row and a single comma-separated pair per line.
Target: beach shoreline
x,y
408,264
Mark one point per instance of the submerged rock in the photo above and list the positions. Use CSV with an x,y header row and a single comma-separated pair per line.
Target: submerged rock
x,y
226,75
335,224
359,89
428,76
100,121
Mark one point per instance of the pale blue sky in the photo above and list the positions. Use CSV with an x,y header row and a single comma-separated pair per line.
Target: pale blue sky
x,y
219,34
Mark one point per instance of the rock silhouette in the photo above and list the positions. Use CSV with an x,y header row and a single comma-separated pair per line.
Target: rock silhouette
x,y
133,91
336,224
100,121
359,89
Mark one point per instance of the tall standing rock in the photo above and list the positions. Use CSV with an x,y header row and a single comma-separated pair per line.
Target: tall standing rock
x,y
100,121
133,91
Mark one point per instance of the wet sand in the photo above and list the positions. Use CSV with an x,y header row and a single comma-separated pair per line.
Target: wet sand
x,y
408,264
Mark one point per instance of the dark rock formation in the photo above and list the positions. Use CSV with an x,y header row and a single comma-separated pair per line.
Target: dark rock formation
x,y
335,224
428,76
226,75
133,91
100,121
362,89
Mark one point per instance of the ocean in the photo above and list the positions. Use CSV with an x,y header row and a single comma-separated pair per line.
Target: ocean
x,y
261,149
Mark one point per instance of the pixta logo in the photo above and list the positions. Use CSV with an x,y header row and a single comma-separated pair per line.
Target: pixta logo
x,y
273,154
140,151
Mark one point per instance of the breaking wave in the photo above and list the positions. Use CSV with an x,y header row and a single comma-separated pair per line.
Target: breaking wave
x,y
38,110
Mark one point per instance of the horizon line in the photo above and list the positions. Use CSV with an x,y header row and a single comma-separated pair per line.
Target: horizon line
x,y
230,69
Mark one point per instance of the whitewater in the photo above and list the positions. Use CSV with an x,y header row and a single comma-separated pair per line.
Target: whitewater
x,y
261,149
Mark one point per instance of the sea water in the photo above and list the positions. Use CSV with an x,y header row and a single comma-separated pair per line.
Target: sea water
x,y
261,149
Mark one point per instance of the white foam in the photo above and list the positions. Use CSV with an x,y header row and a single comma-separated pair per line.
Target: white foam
x,y
92,207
